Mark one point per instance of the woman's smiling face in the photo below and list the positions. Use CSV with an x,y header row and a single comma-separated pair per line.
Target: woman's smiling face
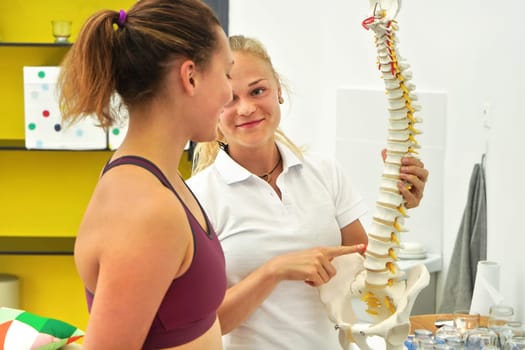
x,y
253,115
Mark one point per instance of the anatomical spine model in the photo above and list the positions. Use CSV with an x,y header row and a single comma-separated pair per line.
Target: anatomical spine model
x,y
375,284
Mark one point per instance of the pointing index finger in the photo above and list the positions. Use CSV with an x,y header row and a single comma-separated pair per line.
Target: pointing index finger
x,y
332,252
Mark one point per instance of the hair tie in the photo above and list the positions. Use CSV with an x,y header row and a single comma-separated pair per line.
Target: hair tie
x,y
122,16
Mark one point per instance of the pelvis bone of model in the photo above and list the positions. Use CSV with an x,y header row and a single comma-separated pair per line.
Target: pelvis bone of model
x,y
370,295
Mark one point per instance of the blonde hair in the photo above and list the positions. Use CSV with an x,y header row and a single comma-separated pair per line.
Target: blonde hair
x,y
206,152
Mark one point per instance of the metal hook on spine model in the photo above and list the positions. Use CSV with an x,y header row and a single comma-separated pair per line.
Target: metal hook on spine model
x,y
385,8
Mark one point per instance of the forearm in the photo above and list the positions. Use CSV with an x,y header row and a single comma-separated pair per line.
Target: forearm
x,y
354,233
245,297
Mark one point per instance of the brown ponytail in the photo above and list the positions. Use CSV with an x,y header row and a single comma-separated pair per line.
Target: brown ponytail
x,y
129,54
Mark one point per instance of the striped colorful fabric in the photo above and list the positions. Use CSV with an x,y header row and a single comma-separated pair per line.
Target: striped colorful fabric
x,y
22,330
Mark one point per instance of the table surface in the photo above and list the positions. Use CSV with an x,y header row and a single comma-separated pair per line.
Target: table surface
x,y
428,321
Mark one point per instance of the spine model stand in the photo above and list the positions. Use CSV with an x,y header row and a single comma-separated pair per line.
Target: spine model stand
x,y
376,281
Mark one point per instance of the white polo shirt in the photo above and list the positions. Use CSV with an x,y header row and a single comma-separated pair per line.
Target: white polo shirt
x,y
254,225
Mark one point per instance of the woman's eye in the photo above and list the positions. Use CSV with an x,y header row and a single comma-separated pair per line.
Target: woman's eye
x,y
258,91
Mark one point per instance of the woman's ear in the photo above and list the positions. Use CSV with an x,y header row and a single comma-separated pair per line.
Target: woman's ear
x,y
188,76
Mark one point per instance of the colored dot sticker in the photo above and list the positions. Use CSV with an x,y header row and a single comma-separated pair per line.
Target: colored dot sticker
x,y
45,87
115,131
41,74
45,113
58,127
31,126
79,132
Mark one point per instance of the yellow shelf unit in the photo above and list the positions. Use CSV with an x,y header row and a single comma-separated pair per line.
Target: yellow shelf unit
x,y
45,192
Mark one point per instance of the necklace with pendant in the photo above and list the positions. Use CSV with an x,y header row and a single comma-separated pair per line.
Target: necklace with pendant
x,y
268,176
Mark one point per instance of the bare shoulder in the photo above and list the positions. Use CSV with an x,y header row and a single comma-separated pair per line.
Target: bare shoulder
x,y
132,217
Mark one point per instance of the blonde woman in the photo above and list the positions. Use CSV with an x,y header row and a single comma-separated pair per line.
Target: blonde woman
x,y
281,215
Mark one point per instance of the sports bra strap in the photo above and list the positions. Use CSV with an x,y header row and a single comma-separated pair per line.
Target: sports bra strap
x,y
152,168
144,163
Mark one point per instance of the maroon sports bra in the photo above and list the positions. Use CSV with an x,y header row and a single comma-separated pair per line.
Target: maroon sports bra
x,y
189,307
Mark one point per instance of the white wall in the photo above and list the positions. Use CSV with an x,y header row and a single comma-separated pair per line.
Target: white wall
x,y
472,51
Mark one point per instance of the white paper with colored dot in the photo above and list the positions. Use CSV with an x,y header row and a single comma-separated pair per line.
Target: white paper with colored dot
x,y
43,125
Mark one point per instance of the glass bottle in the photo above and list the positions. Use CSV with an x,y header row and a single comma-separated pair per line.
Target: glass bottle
x,y
513,329
426,344
465,321
481,338
515,343
499,317
410,343
445,332
455,343
421,335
